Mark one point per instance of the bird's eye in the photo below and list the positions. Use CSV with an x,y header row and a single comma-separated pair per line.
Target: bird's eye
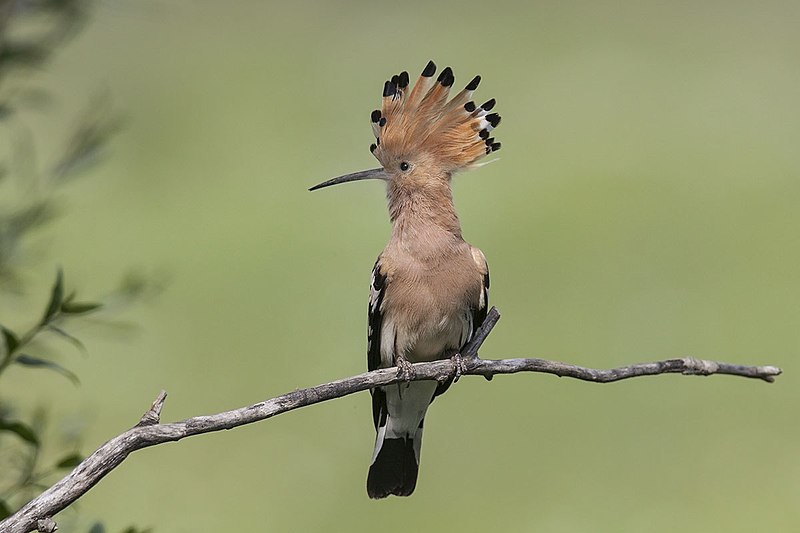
x,y
404,166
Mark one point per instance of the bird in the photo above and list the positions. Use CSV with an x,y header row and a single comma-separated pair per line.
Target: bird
x,y
429,288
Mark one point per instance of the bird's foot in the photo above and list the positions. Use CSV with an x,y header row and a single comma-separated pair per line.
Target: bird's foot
x,y
460,365
405,369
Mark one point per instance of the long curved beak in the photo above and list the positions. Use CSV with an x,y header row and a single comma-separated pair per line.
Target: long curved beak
x,y
371,174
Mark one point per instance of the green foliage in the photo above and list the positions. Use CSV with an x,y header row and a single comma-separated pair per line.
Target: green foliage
x,y
70,461
98,527
32,474
58,311
30,33
78,308
10,341
5,510
56,299
53,315
28,360
23,431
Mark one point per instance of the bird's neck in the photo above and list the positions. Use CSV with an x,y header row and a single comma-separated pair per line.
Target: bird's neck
x,y
423,213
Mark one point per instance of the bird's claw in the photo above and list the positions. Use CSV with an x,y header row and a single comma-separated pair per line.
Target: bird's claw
x,y
460,366
405,369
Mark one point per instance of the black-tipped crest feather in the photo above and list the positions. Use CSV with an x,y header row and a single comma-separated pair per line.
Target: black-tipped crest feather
x,y
421,119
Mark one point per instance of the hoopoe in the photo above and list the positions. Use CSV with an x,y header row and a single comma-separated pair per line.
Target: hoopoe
x,y
429,289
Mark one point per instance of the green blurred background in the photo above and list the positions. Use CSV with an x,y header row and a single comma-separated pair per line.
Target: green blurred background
x,y
644,206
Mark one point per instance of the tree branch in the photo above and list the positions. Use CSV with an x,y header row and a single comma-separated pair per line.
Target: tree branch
x,y
150,431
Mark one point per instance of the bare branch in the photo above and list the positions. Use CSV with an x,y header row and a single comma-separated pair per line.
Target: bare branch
x,y
153,415
150,432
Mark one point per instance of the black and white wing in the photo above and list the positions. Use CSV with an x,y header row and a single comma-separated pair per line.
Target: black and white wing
x,y
374,327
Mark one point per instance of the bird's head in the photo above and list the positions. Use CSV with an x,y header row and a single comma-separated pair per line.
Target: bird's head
x,y
421,137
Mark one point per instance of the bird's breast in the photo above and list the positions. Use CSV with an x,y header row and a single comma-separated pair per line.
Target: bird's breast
x,y
428,311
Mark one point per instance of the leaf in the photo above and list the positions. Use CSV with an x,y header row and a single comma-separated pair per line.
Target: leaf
x,y
28,360
5,511
11,340
78,308
23,431
70,461
68,298
97,527
56,299
28,218
23,54
74,341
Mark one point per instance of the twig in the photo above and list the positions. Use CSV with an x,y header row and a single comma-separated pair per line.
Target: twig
x,y
150,432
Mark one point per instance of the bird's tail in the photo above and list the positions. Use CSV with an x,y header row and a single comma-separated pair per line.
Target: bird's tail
x,y
395,467
399,413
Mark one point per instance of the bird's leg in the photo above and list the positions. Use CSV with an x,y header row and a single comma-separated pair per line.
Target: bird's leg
x,y
404,369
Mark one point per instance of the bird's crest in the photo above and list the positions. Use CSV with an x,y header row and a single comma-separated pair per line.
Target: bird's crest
x,y
412,121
